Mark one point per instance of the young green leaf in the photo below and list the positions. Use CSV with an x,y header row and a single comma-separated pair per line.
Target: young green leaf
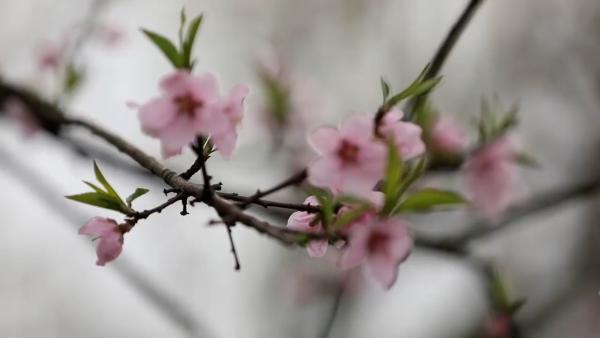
x,y
109,189
99,199
327,204
526,160
166,47
350,216
182,20
137,193
385,89
73,79
190,38
393,175
415,89
428,199
94,187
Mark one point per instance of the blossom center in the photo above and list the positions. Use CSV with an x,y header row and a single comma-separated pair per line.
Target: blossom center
x,y
377,242
348,152
187,105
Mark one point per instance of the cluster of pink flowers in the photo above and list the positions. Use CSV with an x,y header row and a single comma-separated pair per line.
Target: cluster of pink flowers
x,y
352,161
191,106
381,243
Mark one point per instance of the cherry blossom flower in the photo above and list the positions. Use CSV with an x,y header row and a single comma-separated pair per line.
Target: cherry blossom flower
x,y
406,135
111,238
50,55
305,221
223,123
490,177
190,106
180,114
352,161
383,244
447,136
15,109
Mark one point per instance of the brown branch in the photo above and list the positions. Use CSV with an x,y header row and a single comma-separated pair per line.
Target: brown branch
x,y
292,180
441,55
283,235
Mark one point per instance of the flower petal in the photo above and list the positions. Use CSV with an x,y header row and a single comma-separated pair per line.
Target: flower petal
x,y
97,226
317,248
325,140
156,115
110,247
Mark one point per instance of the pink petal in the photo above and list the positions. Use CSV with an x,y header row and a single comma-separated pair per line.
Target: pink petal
x,y
204,88
358,130
176,84
356,249
97,226
317,248
324,172
325,140
180,133
447,136
225,143
384,269
110,247
157,115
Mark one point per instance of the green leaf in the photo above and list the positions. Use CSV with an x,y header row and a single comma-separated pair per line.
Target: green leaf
x,y
515,306
428,199
415,89
166,47
73,79
137,193
351,215
99,199
190,38
526,160
327,204
109,189
182,20
393,175
385,89
93,186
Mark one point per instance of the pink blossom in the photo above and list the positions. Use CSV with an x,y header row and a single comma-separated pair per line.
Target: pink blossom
x,y
108,34
383,244
50,55
375,201
352,161
16,110
111,238
447,136
406,135
499,326
181,113
223,123
305,221
490,176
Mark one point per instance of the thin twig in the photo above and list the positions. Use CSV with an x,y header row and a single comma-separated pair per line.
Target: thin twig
x,y
440,57
332,315
295,179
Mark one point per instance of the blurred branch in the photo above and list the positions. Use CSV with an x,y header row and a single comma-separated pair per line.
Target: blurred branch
x,y
540,202
165,303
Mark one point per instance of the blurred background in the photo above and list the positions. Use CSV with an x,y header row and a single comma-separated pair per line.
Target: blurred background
x,y
175,277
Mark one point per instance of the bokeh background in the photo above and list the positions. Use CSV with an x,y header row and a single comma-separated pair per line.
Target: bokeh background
x,y
175,277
